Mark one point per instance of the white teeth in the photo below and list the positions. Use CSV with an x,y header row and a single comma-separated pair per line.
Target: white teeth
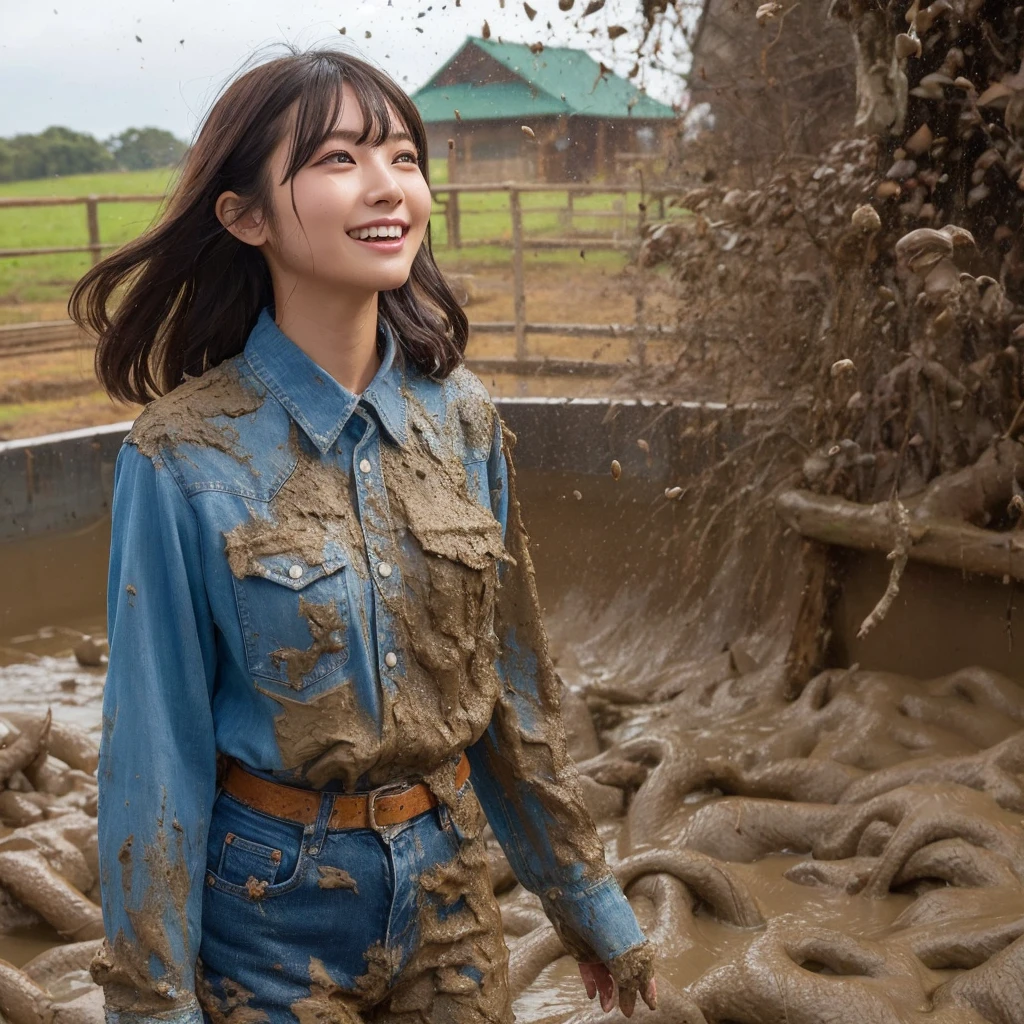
x,y
391,231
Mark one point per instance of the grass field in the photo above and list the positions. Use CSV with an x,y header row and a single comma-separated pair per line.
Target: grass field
x,y
26,282
44,393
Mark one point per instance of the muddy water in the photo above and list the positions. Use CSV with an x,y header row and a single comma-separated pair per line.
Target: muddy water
x,y
854,855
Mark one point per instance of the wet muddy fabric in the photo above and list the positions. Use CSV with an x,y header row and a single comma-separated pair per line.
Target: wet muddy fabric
x,y
320,924
336,590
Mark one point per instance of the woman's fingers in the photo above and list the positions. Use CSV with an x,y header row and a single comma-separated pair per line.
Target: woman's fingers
x,y
587,974
650,995
598,980
627,1000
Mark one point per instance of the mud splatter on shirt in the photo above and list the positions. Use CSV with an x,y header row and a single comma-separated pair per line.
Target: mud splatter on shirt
x,y
336,590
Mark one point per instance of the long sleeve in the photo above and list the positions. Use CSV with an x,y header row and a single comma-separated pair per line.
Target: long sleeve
x,y
157,768
527,784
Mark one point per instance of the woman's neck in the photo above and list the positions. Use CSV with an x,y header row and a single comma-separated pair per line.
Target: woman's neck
x,y
338,333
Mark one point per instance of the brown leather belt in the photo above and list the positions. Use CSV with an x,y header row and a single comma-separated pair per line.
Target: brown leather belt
x,y
383,806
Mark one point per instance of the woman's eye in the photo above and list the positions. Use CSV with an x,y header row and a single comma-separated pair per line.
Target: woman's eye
x,y
340,156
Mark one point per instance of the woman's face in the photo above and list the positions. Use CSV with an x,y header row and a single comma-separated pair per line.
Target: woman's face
x,y
344,188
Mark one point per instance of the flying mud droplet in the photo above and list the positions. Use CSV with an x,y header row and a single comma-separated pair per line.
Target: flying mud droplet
x,y
841,367
766,12
565,5
865,218
458,116
528,131
531,12
577,495
614,31
616,469
642,445
89,652
593,7
907,46
673,492
485,30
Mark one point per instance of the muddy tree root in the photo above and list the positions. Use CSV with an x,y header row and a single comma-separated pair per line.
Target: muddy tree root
x,y
951,543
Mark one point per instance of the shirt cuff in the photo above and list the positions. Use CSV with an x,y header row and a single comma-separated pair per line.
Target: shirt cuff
x,y
595,924
188,1015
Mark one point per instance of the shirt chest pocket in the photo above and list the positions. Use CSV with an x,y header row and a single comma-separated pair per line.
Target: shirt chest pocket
x,y
295,618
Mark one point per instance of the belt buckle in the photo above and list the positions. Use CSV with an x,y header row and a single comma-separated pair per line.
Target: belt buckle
x,y
371,798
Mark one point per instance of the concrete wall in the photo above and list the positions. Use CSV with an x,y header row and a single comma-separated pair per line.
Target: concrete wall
x,y
64,481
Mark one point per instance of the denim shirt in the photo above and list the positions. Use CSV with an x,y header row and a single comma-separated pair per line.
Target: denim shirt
x,y
316,583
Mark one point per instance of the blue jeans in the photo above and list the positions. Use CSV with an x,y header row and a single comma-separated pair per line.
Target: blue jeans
x,y
309,923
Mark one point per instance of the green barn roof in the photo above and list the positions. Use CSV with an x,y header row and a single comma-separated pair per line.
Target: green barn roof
x,y
546,77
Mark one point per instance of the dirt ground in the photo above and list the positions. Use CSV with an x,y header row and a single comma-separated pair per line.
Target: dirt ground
x,y
58,391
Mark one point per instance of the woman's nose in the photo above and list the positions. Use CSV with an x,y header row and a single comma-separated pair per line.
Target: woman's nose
x,y
383,185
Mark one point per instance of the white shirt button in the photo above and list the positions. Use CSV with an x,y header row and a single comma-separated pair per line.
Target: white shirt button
x,y
391,659
384,569
365,466
295,571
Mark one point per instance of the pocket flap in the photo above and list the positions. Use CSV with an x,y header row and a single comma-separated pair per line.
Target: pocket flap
x,y
292,571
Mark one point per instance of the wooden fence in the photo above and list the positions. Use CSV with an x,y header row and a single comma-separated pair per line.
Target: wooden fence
x,y
52,336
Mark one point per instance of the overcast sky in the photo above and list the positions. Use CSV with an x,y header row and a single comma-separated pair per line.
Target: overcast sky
x,y
78,62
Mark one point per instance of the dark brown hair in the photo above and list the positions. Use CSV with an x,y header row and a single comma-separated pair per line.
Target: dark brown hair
x,y
192,291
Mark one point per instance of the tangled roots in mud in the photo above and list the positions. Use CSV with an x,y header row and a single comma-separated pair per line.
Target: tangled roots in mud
x,y
819,858
49,871
852,854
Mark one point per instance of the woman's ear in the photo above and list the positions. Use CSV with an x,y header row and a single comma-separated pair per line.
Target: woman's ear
x,y
250,227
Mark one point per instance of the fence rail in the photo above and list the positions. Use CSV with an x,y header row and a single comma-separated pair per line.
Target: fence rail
x,y
49,337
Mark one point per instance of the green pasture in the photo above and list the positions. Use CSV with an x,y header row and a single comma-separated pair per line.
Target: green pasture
x,y
484,216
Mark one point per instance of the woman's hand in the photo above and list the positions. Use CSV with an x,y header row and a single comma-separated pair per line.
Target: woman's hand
x,y
598,979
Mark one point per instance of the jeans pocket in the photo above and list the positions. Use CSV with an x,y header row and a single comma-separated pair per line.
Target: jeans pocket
x,y
252,854
242,860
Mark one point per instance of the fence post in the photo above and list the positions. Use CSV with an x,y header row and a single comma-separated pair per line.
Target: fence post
x,y
640,295
454,221
518,283
92,220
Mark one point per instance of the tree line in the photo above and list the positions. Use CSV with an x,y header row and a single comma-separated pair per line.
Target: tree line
x,y
60,151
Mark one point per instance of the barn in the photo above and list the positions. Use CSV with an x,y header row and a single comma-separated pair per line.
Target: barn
x,y
587,125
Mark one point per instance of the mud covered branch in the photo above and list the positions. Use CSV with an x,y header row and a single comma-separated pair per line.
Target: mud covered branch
x,y
946,542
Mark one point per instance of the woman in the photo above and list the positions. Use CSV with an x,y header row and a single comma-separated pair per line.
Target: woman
x,y
326,655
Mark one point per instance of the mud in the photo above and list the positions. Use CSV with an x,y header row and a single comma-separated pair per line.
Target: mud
x,y
458,972
324,627
187,416
122,966
297,525
230,1008
854,853
336,878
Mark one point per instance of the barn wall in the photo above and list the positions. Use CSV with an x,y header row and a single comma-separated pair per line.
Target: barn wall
x,y
493,151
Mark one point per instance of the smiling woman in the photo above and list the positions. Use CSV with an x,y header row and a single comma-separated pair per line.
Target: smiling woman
x,y
280,161
327,665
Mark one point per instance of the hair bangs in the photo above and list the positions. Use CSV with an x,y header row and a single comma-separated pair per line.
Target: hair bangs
x,y
321,104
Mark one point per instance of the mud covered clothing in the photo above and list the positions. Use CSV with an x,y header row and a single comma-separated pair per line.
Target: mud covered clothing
x,y
334,589
342,925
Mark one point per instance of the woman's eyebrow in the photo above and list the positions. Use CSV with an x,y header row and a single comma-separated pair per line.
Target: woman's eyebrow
x,y
351,136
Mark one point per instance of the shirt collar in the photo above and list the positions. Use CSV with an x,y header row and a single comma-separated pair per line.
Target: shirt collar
x,y
312,397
